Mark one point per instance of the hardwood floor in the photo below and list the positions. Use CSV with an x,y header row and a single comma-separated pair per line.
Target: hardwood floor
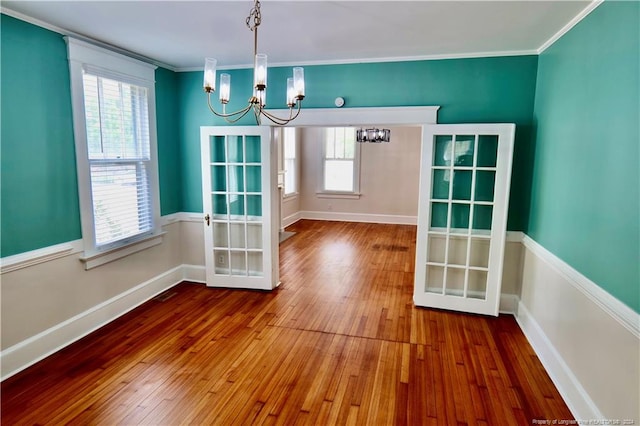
x,y
339,342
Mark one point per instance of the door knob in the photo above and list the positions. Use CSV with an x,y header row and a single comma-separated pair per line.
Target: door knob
x,y
207,219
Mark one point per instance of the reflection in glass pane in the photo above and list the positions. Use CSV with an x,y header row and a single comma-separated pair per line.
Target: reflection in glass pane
x,y
254,235
460,216
234,147
455,282
219,178
238,263
442,150
439,214
436,250
485,183
441,184
477,287
482,216
457,254
236,235
219,202
435,277
221,259
217,149
236,205
236,179
464,150
487,150
254,182
479,256
252,149
462,184
254,205
220,235
254,260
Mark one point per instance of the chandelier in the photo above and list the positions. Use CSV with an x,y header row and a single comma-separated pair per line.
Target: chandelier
x,y
256,103
373,135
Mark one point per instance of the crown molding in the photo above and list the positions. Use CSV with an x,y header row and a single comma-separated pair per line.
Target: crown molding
x,y
472,55
81,37
572,23
468,55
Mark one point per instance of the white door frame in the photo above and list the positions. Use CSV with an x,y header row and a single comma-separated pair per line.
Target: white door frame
x,y
269,278
486,301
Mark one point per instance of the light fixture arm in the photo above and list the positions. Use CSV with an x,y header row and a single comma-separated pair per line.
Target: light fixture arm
x,y
295,85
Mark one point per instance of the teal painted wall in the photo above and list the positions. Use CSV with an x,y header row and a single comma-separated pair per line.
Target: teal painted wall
x,y
468,90
167,117
38,185
585,200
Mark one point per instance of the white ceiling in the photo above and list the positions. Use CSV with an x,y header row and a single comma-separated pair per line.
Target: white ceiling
x,y
181,33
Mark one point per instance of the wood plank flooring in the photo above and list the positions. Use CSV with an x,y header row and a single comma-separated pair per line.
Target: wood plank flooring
x,y
339,342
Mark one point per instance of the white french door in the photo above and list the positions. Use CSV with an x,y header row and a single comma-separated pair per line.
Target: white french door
x,y
240,212
462,216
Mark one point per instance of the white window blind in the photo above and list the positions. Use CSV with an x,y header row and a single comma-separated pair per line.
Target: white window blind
x,y
339,160
118,147
290,184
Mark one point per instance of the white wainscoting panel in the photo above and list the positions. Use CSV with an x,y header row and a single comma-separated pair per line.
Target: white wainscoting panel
x,y
35,348
584,340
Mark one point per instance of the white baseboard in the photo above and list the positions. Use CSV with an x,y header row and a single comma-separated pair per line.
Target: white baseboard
x,y
195,273
359,217
291,219
26,353
509,304
572,391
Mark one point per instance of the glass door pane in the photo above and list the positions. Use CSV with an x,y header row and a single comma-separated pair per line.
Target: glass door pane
x,y
464,195
238,238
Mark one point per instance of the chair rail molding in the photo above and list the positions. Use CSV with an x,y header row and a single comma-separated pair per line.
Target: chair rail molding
x,y
623,314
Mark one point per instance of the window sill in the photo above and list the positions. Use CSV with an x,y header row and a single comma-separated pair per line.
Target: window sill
x,y
343,195
93,260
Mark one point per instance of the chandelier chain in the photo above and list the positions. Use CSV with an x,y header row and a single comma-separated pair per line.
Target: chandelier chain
x,y
256,103
256,15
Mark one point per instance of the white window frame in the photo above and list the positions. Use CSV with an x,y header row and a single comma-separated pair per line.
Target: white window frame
x,y
294,169
324,193
113,65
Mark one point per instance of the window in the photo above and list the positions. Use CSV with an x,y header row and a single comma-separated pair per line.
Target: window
x,y
340,161
290,166
114,123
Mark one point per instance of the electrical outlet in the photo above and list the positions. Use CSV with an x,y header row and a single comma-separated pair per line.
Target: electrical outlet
x,y
221,260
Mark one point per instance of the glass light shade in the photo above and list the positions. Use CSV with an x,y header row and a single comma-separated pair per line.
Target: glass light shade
x,y
210,74
261,95
260,72
291,93
298,81
225,88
